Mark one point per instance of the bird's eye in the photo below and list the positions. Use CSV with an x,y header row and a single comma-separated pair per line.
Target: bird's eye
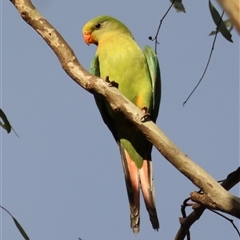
x,y
98,25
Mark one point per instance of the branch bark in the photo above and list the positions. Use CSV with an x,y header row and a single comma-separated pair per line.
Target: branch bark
x,y
232,7
186,222
223,200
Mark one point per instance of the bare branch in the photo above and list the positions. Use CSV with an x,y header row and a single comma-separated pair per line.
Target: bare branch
x,y
213,190
232,179
186,222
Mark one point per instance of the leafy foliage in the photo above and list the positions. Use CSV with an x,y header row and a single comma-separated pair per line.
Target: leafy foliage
x,y
228,25
221,26
177,4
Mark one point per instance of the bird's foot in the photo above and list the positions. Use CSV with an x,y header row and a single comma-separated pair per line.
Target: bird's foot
x,y
146,117
111,83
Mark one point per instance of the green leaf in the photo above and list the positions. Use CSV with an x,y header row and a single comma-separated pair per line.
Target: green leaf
x,y
178,5
20,228
6,124
219,22
228,25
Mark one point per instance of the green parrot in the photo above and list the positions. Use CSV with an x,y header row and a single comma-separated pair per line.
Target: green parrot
x,y
137,74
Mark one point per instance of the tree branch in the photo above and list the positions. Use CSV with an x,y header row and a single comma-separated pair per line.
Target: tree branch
x,y
232,7
224,201
186,222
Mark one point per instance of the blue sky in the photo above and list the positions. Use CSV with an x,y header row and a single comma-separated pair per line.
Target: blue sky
x,y
63,179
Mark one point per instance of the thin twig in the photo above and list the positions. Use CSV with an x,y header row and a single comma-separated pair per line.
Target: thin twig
x,y
159,26
228,219
209,58
183,210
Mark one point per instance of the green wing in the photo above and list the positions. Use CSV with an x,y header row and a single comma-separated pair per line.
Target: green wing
x,y
94,67
101,103
154,70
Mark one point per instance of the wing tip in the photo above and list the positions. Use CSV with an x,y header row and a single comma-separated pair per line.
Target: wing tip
x,y
154,221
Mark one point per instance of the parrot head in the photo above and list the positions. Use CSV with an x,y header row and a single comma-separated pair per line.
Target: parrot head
x,y
102,27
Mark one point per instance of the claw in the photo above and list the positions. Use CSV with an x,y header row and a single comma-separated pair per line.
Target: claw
x,y
111,83
147,116
107,79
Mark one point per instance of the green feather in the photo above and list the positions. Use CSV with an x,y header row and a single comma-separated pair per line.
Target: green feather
x,y
154,70
120,58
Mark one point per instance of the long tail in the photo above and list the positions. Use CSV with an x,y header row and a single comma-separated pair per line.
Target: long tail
x,y
136,178
132,180
146,179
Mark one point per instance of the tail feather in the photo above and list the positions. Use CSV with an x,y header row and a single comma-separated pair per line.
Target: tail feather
x,y
131,174
146,180
135,179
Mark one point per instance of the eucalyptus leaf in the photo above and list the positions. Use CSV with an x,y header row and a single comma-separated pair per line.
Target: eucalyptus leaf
x,y
219,23
178,5
228,25
5,124
19,227
21,230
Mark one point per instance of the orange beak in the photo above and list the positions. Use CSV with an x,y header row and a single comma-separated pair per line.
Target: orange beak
x,y
88,38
